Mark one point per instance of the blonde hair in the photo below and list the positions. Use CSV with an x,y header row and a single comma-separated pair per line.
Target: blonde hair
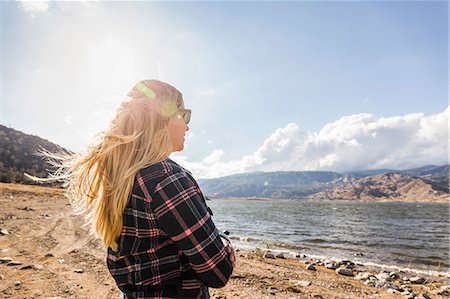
x,y
100,181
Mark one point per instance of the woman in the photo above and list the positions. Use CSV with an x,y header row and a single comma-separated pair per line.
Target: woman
x,y
148,210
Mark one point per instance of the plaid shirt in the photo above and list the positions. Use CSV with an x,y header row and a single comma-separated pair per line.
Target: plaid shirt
x,y
169,246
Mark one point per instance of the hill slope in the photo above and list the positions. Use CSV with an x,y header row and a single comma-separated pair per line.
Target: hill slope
x,y
387,186
18,155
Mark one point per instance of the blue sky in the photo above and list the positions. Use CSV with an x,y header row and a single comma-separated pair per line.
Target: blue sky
x,y
273,86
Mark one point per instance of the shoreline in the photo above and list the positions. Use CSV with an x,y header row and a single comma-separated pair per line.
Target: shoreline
x,y
360,259
265,274
447,200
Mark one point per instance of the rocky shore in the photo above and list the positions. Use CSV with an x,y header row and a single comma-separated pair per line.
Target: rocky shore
x,y
45,252
333,278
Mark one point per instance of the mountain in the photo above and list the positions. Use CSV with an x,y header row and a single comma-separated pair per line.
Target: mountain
x,y
280,184
425,183
18,155
386,186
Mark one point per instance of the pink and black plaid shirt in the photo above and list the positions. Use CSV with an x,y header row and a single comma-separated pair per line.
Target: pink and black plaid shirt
x,y
169,246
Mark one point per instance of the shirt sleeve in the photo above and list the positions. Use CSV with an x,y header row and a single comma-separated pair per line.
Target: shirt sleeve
x,y
183,216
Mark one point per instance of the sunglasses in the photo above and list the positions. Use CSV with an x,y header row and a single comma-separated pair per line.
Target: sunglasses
x,y
186,113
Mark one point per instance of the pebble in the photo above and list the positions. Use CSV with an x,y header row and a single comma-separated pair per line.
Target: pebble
x,y
394,275
393,291
317,296
383,276
311,267
281,256
270,255
17,283
363,276
302,283
4,231
417,280
49,255
5,260
2,277
332,266
38,267
78,270
369,283
444,291
14,263
411,295
423,296
345,271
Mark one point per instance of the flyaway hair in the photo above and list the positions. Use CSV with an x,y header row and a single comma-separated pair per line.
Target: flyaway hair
x,y
99,181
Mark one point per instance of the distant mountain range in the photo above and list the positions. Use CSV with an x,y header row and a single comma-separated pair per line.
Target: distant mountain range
x,y
428,183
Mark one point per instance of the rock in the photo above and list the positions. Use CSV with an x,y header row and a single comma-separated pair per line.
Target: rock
x,y
269,255
17,283
14,263
405,293
393,291
389,285
423,296
383,276
443,291
281,256
358,254
4,231
394,275
49,255
331,265
311,267
345,271
2,277
417,280
61,261
27,209
78,270
369,283
302,283
26,267
38,267
5,260
411,295
363,276
317,296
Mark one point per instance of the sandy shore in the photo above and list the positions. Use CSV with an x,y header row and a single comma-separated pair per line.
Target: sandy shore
x,y
45,252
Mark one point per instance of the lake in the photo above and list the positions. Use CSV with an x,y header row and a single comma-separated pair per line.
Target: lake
x,y
404,234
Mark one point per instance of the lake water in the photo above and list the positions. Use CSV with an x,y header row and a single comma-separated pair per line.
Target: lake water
x,y
402,234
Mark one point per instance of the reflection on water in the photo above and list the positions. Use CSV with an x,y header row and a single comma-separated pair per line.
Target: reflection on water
x,y
398,233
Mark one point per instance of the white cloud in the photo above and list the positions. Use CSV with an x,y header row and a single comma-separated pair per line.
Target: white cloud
x,y
359,141
214,157
35,7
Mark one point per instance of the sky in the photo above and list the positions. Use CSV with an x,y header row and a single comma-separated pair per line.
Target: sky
x,y
273,86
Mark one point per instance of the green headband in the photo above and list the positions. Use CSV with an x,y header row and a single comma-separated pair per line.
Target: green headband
x,y
146,90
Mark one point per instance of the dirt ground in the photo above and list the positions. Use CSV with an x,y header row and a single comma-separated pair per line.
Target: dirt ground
x,y
57,258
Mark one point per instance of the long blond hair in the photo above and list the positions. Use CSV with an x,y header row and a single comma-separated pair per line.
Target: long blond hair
x,y
99,182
